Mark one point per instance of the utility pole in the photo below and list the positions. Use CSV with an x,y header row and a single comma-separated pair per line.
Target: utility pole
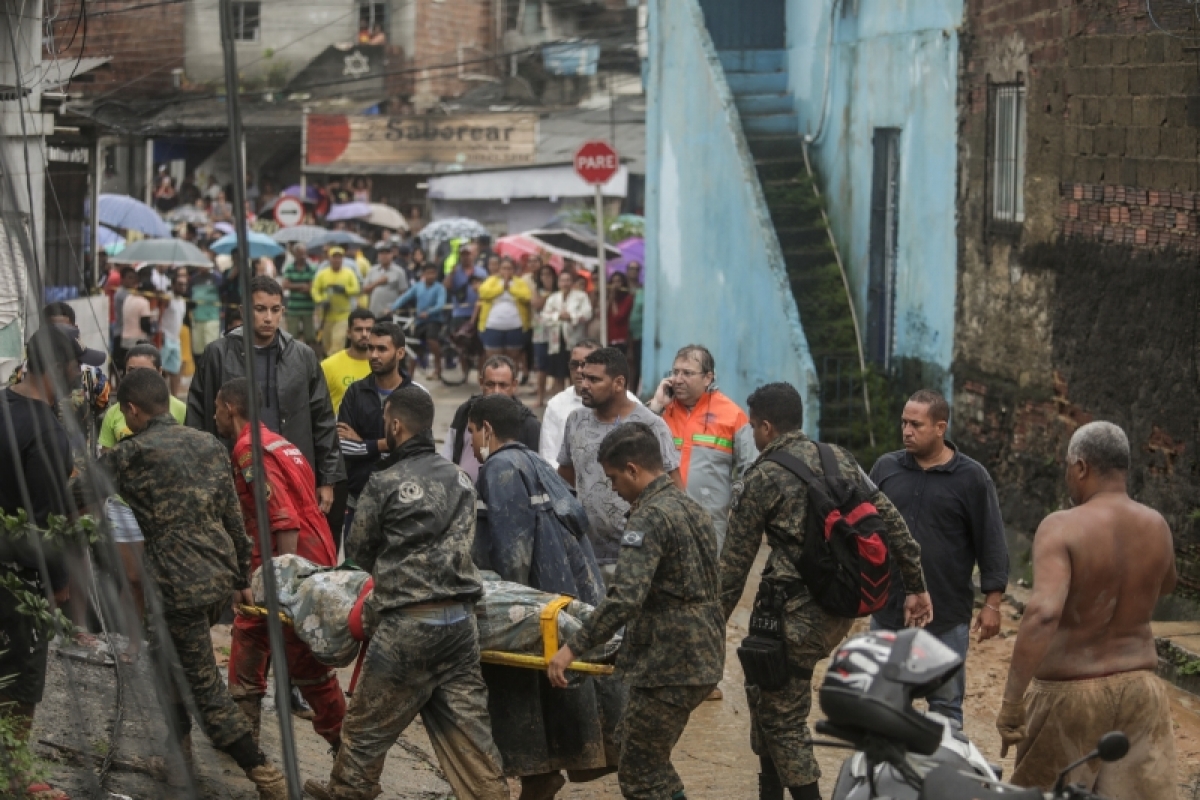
x,y
287,735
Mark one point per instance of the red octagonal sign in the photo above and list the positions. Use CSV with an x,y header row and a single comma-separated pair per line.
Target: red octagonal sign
x,y
597,162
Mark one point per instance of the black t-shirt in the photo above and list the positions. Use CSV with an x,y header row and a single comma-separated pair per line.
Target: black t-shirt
x,y
35,457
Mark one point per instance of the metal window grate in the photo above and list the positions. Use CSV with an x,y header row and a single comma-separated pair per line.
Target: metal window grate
x,y
246,19
1008,153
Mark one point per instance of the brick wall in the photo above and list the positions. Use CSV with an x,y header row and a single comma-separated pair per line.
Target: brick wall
x,y
1088,309
145,44
443,27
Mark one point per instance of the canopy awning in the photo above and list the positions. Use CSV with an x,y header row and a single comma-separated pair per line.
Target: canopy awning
x,y
553,181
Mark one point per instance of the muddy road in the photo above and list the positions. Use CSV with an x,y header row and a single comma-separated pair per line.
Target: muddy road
x,y
714,755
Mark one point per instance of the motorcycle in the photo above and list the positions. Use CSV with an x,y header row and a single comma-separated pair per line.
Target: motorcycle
x,y
904,754
858,781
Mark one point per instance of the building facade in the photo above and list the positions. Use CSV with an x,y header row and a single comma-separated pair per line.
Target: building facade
x,y
1078,239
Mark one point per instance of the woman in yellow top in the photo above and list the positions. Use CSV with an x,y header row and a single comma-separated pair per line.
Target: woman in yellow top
x,y
504,315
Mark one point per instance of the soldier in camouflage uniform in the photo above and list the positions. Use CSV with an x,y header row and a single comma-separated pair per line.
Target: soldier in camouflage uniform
x,y
413,531
178,484
665,593
772,500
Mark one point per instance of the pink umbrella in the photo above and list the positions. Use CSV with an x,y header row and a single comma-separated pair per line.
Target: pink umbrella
x,y
521,247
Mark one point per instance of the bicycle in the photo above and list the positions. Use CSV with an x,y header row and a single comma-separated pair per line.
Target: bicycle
x,y
457,361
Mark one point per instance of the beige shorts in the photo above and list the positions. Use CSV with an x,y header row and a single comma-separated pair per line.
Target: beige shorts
x,y
1065,719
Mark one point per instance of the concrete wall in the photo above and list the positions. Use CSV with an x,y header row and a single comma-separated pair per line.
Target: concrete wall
x,y
894,64
715,271
292,32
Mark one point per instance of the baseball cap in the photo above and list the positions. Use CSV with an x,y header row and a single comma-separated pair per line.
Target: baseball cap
x,y
337,251
85,355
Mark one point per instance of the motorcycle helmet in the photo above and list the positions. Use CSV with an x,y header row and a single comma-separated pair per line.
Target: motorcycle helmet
x,y
874,678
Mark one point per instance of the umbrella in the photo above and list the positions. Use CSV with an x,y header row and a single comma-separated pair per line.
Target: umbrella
x,y
260,245
348,211
337,237
631,250
122,211
309,195
190,214
443,230
223,227
519,247
572,241
173,252
386,217
298,233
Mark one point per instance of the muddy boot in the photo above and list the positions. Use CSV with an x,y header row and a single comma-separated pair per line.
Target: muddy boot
x,y
541,787
270,782
318,790
252,708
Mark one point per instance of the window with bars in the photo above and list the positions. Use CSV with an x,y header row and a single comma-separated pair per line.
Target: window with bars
x,y
1008,153
246,19
372,14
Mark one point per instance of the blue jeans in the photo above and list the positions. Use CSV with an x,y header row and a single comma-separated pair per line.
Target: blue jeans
x,y
948,699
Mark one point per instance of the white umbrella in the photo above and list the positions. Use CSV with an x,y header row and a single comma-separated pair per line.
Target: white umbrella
x,y
175,252
386,217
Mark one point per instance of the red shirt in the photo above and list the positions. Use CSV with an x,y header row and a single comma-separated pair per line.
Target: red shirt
x,y
291,497
618,321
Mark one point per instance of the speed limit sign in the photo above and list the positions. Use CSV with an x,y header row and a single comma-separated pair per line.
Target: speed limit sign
x,y
289,212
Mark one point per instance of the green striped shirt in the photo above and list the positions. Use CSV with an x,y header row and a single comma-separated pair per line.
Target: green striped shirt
x,y
300,302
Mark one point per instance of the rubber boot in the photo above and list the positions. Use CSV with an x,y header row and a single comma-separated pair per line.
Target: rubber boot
x,y
810,792
252,708
180,780
270,782
769,785
300,706
316,789
541,787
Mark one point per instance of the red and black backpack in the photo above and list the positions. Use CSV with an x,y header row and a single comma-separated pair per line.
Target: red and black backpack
x,y
844,558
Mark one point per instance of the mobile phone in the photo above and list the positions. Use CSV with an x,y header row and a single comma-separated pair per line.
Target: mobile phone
x,y
669,390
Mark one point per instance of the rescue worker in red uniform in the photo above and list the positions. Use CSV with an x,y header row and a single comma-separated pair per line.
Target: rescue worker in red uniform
x,y
297,526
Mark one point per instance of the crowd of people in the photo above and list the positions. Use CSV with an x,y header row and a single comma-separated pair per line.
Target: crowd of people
x,y
653,512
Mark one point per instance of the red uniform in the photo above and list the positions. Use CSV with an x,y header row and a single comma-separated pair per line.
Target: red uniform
x,y
291,506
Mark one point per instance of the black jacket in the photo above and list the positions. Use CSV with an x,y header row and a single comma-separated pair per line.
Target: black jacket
x,y
362,410
531,427
305,412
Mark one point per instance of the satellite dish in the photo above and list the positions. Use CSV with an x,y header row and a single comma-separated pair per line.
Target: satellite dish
x,y
1178,18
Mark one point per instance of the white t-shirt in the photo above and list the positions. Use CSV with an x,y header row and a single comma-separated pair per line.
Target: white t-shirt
x,y
172,317
504,315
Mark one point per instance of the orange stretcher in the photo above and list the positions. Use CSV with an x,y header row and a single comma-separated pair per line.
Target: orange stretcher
x,y
548,620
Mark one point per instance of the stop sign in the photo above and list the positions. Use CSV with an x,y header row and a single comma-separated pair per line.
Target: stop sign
x,y
596,162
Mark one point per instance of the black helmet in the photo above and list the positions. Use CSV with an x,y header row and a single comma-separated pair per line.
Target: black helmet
x,y
874,678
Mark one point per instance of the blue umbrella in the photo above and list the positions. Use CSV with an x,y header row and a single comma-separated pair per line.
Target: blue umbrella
x,y
122,211
260,245
337,237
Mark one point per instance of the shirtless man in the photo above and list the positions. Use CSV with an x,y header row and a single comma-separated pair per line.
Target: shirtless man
x,y
1084,649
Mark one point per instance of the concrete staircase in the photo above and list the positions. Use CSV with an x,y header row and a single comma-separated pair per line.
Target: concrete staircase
x,y
759,82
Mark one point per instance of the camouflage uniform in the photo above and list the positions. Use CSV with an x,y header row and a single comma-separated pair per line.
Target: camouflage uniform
x,y
178,484
771,500
665,593
413,531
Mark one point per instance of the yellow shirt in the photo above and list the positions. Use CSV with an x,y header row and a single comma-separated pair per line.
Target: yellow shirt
x,y
339,302
340,371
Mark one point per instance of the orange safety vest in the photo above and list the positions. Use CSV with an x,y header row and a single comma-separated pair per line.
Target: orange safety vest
x,y
711,426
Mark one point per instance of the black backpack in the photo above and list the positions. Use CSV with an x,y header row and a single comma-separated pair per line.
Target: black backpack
x,y
844,560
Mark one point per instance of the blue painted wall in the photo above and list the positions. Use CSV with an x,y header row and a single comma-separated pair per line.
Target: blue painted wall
x,y
892,64
715,271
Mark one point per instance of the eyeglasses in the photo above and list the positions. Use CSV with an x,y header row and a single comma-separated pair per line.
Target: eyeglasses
x,y
577,364
685,373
